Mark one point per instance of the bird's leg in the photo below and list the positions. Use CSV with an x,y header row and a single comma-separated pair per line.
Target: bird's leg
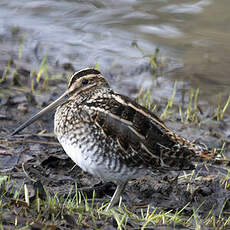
x,y
119,190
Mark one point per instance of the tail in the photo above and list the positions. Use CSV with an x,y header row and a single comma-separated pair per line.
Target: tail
x,y
199,153
203,154
193,152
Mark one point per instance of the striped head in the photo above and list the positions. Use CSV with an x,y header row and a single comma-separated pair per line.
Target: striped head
x,y
82,84
85,82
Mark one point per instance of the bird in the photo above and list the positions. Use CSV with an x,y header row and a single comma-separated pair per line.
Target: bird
x,y
112,137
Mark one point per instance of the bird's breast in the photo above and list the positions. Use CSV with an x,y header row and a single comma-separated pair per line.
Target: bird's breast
x,y
87,145
83,154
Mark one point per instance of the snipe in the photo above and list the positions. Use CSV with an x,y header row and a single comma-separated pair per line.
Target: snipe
x,y
114,138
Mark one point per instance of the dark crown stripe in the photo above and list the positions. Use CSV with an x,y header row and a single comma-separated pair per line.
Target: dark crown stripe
x,y
82,73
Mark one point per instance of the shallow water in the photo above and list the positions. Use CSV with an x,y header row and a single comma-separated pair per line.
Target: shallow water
x,y
193,36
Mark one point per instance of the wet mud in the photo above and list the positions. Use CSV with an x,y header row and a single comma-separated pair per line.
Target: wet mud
x,y
34,156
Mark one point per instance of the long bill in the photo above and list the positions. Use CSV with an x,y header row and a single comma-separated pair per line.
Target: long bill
x,y
47,109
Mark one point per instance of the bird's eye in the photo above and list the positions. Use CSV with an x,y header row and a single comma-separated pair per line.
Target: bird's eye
x,y
85,81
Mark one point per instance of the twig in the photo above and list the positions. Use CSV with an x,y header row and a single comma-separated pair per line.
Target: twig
x,y
27,174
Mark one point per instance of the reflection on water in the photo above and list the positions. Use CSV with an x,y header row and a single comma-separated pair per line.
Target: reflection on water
x,y
193,35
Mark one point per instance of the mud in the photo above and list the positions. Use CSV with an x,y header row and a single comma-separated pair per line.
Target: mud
x,y
36,158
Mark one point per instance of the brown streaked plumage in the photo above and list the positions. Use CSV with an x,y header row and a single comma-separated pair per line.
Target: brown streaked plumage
x,y
112,137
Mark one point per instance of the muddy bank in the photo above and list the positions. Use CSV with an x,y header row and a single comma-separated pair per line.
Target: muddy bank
x,y
34,157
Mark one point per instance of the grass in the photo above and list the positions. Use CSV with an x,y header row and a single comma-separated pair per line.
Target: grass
x,y
221,111
190,114
54,211
6,72
155,60
170,103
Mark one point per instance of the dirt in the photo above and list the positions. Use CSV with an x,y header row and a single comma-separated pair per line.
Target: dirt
x,y
38,160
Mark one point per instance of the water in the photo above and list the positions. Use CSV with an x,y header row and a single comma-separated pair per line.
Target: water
x,y
193,36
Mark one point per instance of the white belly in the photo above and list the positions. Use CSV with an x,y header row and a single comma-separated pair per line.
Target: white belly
x,y
81,144
104,168
76,153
